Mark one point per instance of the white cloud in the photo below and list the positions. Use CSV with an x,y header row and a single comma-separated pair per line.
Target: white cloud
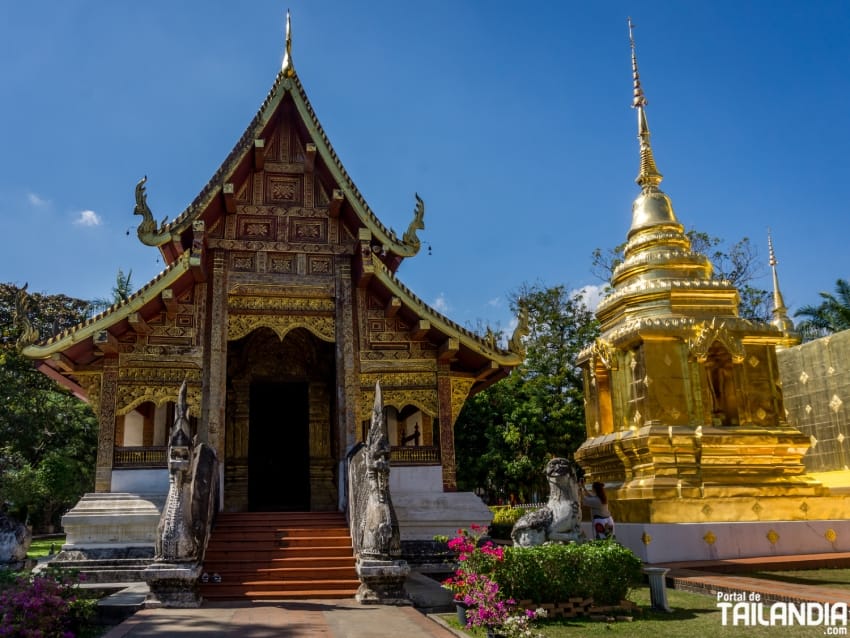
x,y
592,295
441,304
37,200
495,302
88,218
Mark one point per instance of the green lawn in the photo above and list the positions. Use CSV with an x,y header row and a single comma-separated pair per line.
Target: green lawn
x,y
40,548
837,578
693,615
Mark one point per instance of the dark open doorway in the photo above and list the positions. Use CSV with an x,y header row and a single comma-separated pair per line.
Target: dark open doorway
x,y
279,447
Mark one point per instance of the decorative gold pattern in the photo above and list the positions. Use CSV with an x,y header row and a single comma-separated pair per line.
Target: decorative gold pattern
x,y
239,325
830,535
425,400
240,303
772,537
710,538
707,333
460,391
645,538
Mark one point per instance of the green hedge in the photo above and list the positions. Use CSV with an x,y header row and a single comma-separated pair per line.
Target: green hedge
x,y
602,570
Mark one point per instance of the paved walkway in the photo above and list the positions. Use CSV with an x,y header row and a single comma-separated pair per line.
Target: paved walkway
x,y
303,619
710,577
349,619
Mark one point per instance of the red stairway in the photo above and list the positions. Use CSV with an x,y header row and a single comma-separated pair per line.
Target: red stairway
x,y
279,556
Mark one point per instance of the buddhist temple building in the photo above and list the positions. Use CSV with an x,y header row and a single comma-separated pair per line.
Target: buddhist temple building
x,y
281,306
684,407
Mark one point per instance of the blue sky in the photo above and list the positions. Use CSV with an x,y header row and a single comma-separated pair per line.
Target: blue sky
x,y
512,121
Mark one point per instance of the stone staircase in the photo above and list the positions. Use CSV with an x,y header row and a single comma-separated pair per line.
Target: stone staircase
x,y
279,556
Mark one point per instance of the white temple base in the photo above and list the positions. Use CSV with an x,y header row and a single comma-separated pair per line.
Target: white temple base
x,y
424,510
104,522
673,542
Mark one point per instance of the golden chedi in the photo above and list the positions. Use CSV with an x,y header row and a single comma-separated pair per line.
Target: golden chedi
x,y
685,420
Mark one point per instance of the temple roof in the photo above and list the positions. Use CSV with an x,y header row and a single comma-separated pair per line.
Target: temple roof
x,y
169,236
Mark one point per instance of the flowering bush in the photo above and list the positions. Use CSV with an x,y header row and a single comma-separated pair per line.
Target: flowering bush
x,y
473,585
475,559
44,606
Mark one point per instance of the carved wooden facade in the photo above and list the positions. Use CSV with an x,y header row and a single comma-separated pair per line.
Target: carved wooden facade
x,y
279,279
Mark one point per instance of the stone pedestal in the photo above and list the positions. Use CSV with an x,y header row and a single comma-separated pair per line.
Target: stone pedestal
x,y
109,525
382,582
173,585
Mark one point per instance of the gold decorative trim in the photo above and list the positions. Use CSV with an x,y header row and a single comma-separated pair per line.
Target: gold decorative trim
x,y
128,397
239,326
830,535
645,538
460,391
425,400
707,333
772,536
710,538
399,379
280,304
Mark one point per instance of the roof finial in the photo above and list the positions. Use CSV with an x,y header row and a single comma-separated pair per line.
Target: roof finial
x,y
648,177
780,313
286,67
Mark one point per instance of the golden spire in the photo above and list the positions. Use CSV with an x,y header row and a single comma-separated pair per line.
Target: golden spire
x,y
286,67
648,177
780,313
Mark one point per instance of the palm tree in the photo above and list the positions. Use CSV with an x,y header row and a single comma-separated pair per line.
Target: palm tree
x,y
831,315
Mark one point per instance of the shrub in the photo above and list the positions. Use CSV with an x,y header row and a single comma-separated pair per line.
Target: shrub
x,y
44,605
602,570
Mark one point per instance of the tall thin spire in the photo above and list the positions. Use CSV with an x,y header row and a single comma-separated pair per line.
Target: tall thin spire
x,y
648,177
780,313
286,67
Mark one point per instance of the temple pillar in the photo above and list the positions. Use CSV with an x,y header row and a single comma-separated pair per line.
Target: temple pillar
x,y
447,437
347,381
106,425
214,381
236,450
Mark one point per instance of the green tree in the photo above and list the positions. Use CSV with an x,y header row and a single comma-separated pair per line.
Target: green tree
x,y
739,264
48,438
505,434
121,292
829,316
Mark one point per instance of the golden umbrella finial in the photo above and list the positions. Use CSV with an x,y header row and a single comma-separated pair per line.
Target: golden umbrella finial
x,y
286,67
648,177
779,312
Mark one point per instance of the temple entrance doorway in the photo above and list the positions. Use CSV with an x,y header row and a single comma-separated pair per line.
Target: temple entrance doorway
x,y
279,447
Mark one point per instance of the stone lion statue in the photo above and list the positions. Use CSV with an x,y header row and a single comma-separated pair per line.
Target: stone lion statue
x,y
560,519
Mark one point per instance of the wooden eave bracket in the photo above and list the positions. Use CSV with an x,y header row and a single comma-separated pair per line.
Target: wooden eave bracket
x,y
448,349
392,307
336,203
367,268
309,157
487,370
228,192
138,324
105,342
420,329
170,303
62,362
196,258
259,154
